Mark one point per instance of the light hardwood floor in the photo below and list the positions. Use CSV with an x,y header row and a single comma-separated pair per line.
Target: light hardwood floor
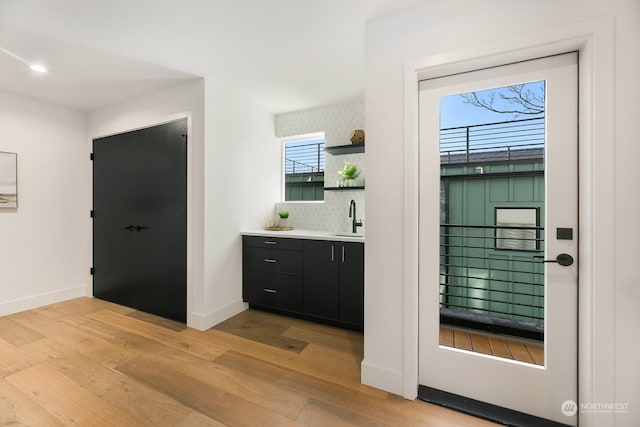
x,y
86,362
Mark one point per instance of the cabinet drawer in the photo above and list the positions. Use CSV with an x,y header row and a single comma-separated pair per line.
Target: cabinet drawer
x,y
273,260
272,290
273,242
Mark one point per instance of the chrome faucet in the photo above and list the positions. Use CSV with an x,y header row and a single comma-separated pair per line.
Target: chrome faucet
x,y
354,222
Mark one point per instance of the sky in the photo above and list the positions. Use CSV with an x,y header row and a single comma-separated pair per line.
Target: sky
x,y
455,112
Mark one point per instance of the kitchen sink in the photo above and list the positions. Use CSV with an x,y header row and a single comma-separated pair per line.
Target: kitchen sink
x,y
345,234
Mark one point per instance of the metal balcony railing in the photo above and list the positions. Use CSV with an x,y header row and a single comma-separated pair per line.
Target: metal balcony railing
x,y
492,277
493,142
304,158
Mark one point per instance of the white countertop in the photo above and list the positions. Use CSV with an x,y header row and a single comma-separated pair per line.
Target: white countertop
x,y
308,234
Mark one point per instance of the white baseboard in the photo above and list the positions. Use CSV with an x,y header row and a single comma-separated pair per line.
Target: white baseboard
x,y
31,302
381,377
202,322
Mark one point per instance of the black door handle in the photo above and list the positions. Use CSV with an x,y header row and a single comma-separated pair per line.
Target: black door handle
x,y
564,260
135,227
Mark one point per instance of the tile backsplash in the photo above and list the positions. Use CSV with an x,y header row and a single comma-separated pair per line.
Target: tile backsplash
x,y
337,122
330,215
335,163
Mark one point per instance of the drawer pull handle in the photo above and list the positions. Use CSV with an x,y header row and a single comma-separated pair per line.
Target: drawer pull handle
x,y
271,291
269,242
272,261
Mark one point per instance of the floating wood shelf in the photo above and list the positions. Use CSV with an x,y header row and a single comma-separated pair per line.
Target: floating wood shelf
x,y
345,149
359,187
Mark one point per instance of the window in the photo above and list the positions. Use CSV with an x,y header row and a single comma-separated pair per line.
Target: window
x,y
520,232
303,167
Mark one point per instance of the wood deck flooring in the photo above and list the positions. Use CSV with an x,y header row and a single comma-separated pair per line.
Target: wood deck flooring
x,y
86,362
497,345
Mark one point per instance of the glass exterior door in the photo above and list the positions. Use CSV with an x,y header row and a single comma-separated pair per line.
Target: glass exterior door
x,y
498,226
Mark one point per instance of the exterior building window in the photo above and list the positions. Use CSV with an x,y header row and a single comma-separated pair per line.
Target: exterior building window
x,y
520,232
303,167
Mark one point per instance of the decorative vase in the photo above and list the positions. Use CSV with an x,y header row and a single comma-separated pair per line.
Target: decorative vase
x,y
283,222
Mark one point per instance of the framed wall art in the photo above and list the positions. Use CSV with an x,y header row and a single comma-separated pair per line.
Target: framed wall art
x,y
8,180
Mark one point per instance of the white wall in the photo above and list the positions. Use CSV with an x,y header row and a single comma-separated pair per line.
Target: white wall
x,y
337,121
435,29
44,247
627,206
242,181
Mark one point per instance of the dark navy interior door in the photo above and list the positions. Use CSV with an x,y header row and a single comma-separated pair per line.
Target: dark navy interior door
x,y
140,219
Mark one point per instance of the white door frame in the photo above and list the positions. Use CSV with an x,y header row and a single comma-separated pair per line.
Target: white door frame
x,y
595,42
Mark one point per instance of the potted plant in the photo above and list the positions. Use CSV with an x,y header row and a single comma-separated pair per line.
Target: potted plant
x,y
349,173
283,222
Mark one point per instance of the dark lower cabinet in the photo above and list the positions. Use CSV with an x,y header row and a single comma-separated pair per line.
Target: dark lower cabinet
x,y
315,279
321,279
280,291
272,273
334,281
352,284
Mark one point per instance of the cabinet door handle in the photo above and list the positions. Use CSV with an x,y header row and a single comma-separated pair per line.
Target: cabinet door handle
x,y
343,254
333,253
269,242
271,291
272,261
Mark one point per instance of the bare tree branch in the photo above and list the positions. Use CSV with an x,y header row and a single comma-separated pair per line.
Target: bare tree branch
x,y
520,99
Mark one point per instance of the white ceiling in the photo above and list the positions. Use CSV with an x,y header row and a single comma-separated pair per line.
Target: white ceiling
x,y
285,55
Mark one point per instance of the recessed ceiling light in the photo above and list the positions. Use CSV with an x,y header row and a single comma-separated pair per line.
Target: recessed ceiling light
x,y
38,68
